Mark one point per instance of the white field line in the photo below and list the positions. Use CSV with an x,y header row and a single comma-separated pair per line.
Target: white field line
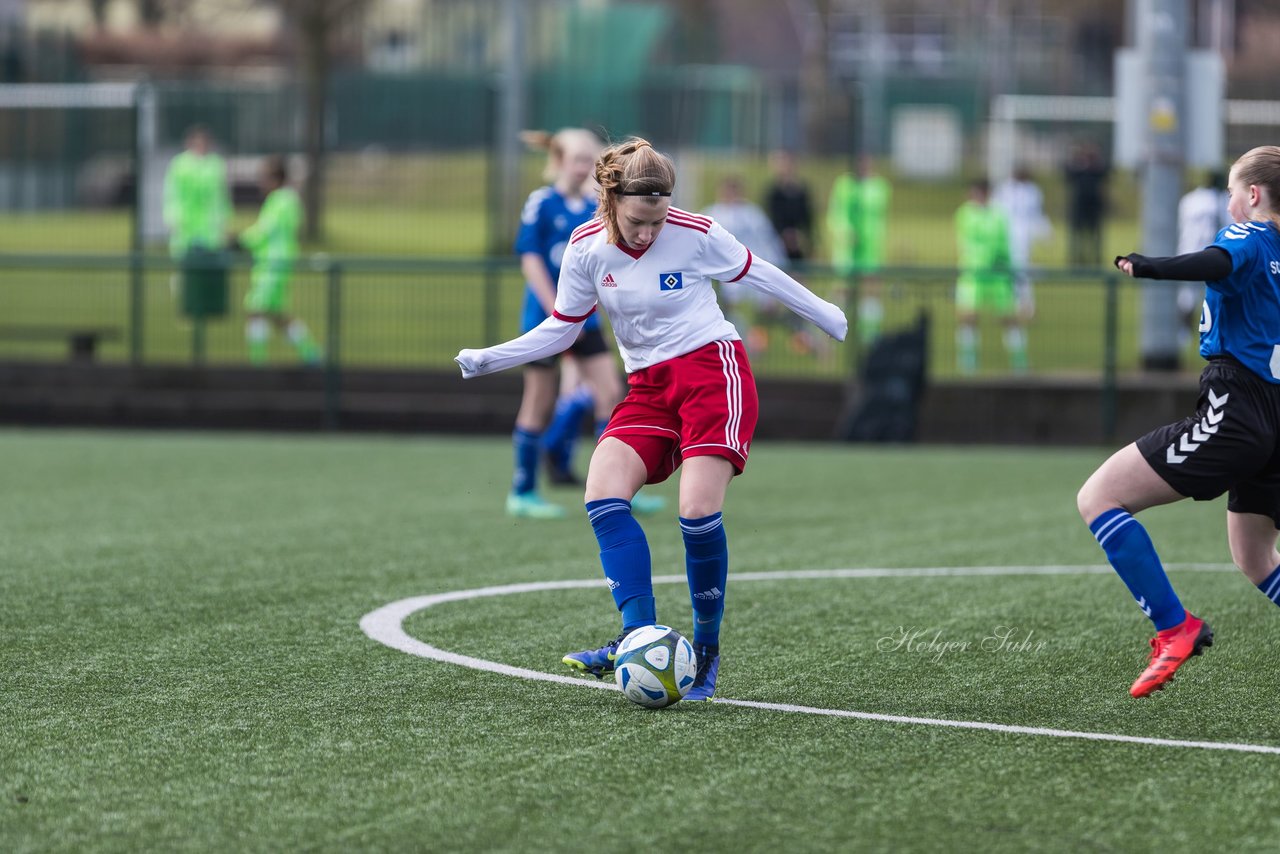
x,y
385,625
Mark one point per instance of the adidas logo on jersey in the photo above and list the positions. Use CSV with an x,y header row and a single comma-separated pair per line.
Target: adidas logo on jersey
x,y
607,281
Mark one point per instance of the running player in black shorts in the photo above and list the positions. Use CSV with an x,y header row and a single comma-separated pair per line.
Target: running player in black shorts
x,y
1230,444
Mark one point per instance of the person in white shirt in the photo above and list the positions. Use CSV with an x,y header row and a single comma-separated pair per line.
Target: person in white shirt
x,y
1023,204
1202,213
747,308
692,397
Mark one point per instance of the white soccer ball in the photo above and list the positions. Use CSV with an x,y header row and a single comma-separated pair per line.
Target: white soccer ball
x,y
655,666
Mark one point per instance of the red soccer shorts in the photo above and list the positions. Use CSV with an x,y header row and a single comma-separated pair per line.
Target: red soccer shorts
x,y
700,404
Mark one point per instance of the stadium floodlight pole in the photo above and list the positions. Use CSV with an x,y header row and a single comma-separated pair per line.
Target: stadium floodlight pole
x,y
875,60
1162,49
512,116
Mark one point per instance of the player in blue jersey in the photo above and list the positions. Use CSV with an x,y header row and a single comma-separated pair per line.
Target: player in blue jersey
x,y
591,377
1230,444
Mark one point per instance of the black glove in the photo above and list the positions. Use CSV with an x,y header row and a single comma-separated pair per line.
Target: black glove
x,y
1211,264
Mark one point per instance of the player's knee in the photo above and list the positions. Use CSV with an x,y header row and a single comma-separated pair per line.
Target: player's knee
x,y
696,507
1255,561
1091,501
694,510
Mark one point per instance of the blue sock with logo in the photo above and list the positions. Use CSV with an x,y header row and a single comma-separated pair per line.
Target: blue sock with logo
x,y
706,561
1271,587
527,443
624,555
562,434
1129,550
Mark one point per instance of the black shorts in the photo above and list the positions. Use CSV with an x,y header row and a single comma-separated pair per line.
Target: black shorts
x,y
590,343
1231,444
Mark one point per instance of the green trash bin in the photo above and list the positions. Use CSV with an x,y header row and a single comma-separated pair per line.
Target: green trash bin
x,y
204,283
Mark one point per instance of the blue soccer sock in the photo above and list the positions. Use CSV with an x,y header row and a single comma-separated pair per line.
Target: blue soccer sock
x,y
526,442
562,434
1271,587
1130,551
624,555
706,561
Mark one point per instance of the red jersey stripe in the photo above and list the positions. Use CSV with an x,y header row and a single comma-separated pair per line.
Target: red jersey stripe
x,y
567,319
688,224
705,220
744,269
700,220
586,230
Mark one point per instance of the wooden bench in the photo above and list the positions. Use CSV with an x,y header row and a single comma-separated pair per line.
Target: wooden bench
x,y
82,341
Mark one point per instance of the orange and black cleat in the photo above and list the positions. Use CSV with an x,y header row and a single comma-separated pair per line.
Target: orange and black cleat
x,y
1170,649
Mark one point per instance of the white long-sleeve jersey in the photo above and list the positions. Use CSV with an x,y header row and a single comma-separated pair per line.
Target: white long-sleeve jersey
x,y
659,300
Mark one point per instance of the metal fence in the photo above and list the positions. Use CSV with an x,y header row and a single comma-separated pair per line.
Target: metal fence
x,y
416,314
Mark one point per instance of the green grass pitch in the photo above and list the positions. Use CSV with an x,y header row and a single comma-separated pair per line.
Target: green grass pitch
x,y
182,666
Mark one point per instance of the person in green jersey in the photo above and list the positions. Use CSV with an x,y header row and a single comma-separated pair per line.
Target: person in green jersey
x,y
857,216
197,203
273,242
986,279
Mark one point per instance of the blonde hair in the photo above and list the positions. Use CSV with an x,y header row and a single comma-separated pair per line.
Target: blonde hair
x,y
631,167
556,144
1261,167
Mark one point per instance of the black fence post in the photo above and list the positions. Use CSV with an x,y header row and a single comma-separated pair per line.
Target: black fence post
x,y
332,354
137,270
137,297
492,297
852,286
1109,355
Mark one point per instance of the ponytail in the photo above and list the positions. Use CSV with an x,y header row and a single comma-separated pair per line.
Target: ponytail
x,y
554,144
631,168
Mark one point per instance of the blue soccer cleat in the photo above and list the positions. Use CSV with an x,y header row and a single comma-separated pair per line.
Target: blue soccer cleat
x,y
704,684
596,662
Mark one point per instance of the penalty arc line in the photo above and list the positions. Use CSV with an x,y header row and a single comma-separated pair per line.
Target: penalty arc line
x,y
386,626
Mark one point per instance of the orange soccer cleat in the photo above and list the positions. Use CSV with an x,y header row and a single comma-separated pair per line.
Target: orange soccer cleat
x,y
1169,650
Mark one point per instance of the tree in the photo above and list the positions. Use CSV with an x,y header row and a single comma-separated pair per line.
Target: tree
x,y
820,108
98,8
316,24
153,14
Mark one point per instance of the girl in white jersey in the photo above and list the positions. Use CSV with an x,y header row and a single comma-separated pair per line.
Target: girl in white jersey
x,y
692,398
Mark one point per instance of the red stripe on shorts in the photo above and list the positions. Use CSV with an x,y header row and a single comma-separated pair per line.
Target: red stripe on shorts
x,y
733,394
